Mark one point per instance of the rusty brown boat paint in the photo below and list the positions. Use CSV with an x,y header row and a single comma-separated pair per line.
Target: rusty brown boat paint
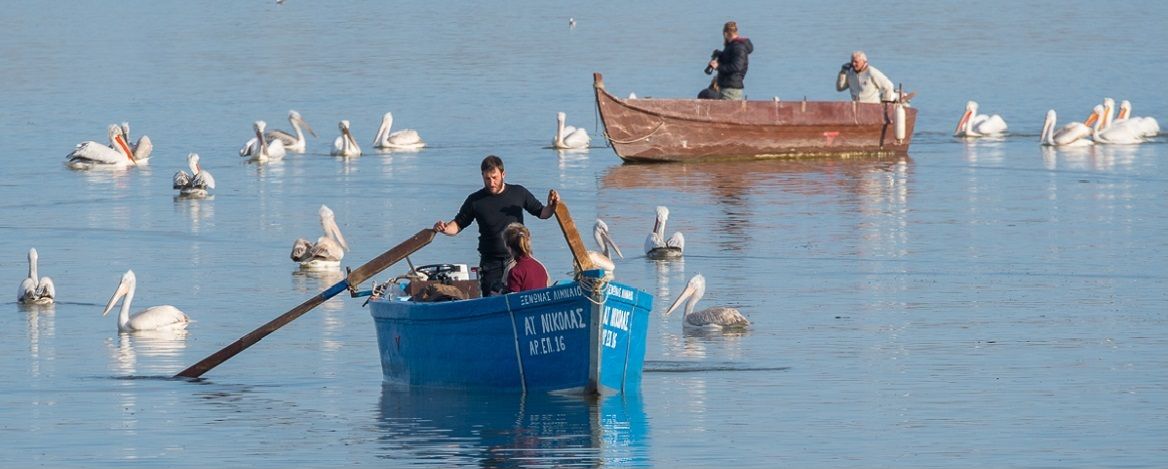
x,y
658,130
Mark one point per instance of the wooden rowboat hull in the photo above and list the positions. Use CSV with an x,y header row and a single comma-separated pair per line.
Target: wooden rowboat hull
x,y
692,129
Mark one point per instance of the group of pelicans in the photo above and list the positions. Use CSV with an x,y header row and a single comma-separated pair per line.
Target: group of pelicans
x,y
329,249
270,145
1102,126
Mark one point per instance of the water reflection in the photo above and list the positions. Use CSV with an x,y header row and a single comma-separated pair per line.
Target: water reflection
x,y
162,352
738,189
314,281
41,322
511,430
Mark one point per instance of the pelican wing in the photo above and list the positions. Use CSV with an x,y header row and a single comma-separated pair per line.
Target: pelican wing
x,y
407,137
276,134
251,148
1070,133
676,241
601,261
203,180
300,249
653,241
46,289
718,316
143,148
577,139
989,125
97,153
181,180
164,317
27,292
326,249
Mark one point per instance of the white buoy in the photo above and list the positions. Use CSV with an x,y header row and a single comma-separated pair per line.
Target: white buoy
x,y
900,123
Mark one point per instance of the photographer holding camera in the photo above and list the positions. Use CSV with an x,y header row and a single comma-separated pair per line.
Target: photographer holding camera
x,y
867,84
731,62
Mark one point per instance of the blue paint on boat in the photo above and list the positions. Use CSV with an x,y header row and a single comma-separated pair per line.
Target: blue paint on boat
x,y
579,337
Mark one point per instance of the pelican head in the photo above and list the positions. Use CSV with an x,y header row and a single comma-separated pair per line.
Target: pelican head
x,y
1096,117
294,118
259,127
603,240
1124,110
694,291
193,163
966,118
328,222
124,287
659,222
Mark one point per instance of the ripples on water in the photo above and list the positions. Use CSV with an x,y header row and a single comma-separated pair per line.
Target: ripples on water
x,y
985,303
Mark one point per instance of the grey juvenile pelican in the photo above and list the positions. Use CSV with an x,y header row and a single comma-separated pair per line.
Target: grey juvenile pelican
x,y
345,145
33,290
90,155
406,139
260,150
602,258
328,250
154,318
293,143
656,246
142,148
715,318
196,183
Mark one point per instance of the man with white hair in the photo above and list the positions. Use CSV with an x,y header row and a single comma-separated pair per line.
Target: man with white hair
x,y
867,84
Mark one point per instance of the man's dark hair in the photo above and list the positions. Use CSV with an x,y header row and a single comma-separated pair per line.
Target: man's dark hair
x,y
492,162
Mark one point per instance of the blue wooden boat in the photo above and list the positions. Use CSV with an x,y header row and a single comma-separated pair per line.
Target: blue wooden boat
x,y
585,336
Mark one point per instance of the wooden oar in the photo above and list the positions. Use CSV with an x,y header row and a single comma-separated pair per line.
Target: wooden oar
x,y
579,252
356,277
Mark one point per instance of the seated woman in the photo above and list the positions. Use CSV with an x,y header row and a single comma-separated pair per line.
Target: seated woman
x,y
527,273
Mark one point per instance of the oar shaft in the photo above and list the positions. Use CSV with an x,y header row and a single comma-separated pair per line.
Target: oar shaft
x,y
364,272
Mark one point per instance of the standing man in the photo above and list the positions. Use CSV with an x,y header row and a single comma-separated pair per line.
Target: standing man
x,y
495,206
732,62
867,84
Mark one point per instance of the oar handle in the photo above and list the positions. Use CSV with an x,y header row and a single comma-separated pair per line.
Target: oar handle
x,y
369,269
572,236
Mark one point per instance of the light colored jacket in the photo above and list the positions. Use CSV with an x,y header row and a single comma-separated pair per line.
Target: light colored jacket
x,y
869,86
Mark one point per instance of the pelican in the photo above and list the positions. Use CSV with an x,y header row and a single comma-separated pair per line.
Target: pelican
x,y
328,250
34,291
89,155
571,23
407,139
1074,134
1105,130
154,318
603,258
196,183
568,137
1148,125
260,150
715,318
656,247
345,145
293,143
142,148
973,124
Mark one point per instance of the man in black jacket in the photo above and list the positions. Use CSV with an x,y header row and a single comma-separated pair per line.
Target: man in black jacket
x,y
732,63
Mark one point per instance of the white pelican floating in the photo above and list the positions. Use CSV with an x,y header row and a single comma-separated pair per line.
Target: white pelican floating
x,y
1105,130
345,145
568,137
140,149
196,183
715,318
154,318
973,124
406,139
33,290
603,258
90,155
656,246
1075,134
259,149
328,250
293,143
1148,125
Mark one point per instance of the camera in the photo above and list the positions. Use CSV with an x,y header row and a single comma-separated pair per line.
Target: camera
x,y
713,56
847,66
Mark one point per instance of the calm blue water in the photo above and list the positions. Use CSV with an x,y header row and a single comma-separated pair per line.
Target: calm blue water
x,y
977,304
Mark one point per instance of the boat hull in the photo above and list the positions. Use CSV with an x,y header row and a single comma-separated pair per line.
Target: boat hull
x,y
557,339
695,129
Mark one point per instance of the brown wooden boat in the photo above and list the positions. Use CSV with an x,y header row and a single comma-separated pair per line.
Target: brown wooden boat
x,y
702,129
